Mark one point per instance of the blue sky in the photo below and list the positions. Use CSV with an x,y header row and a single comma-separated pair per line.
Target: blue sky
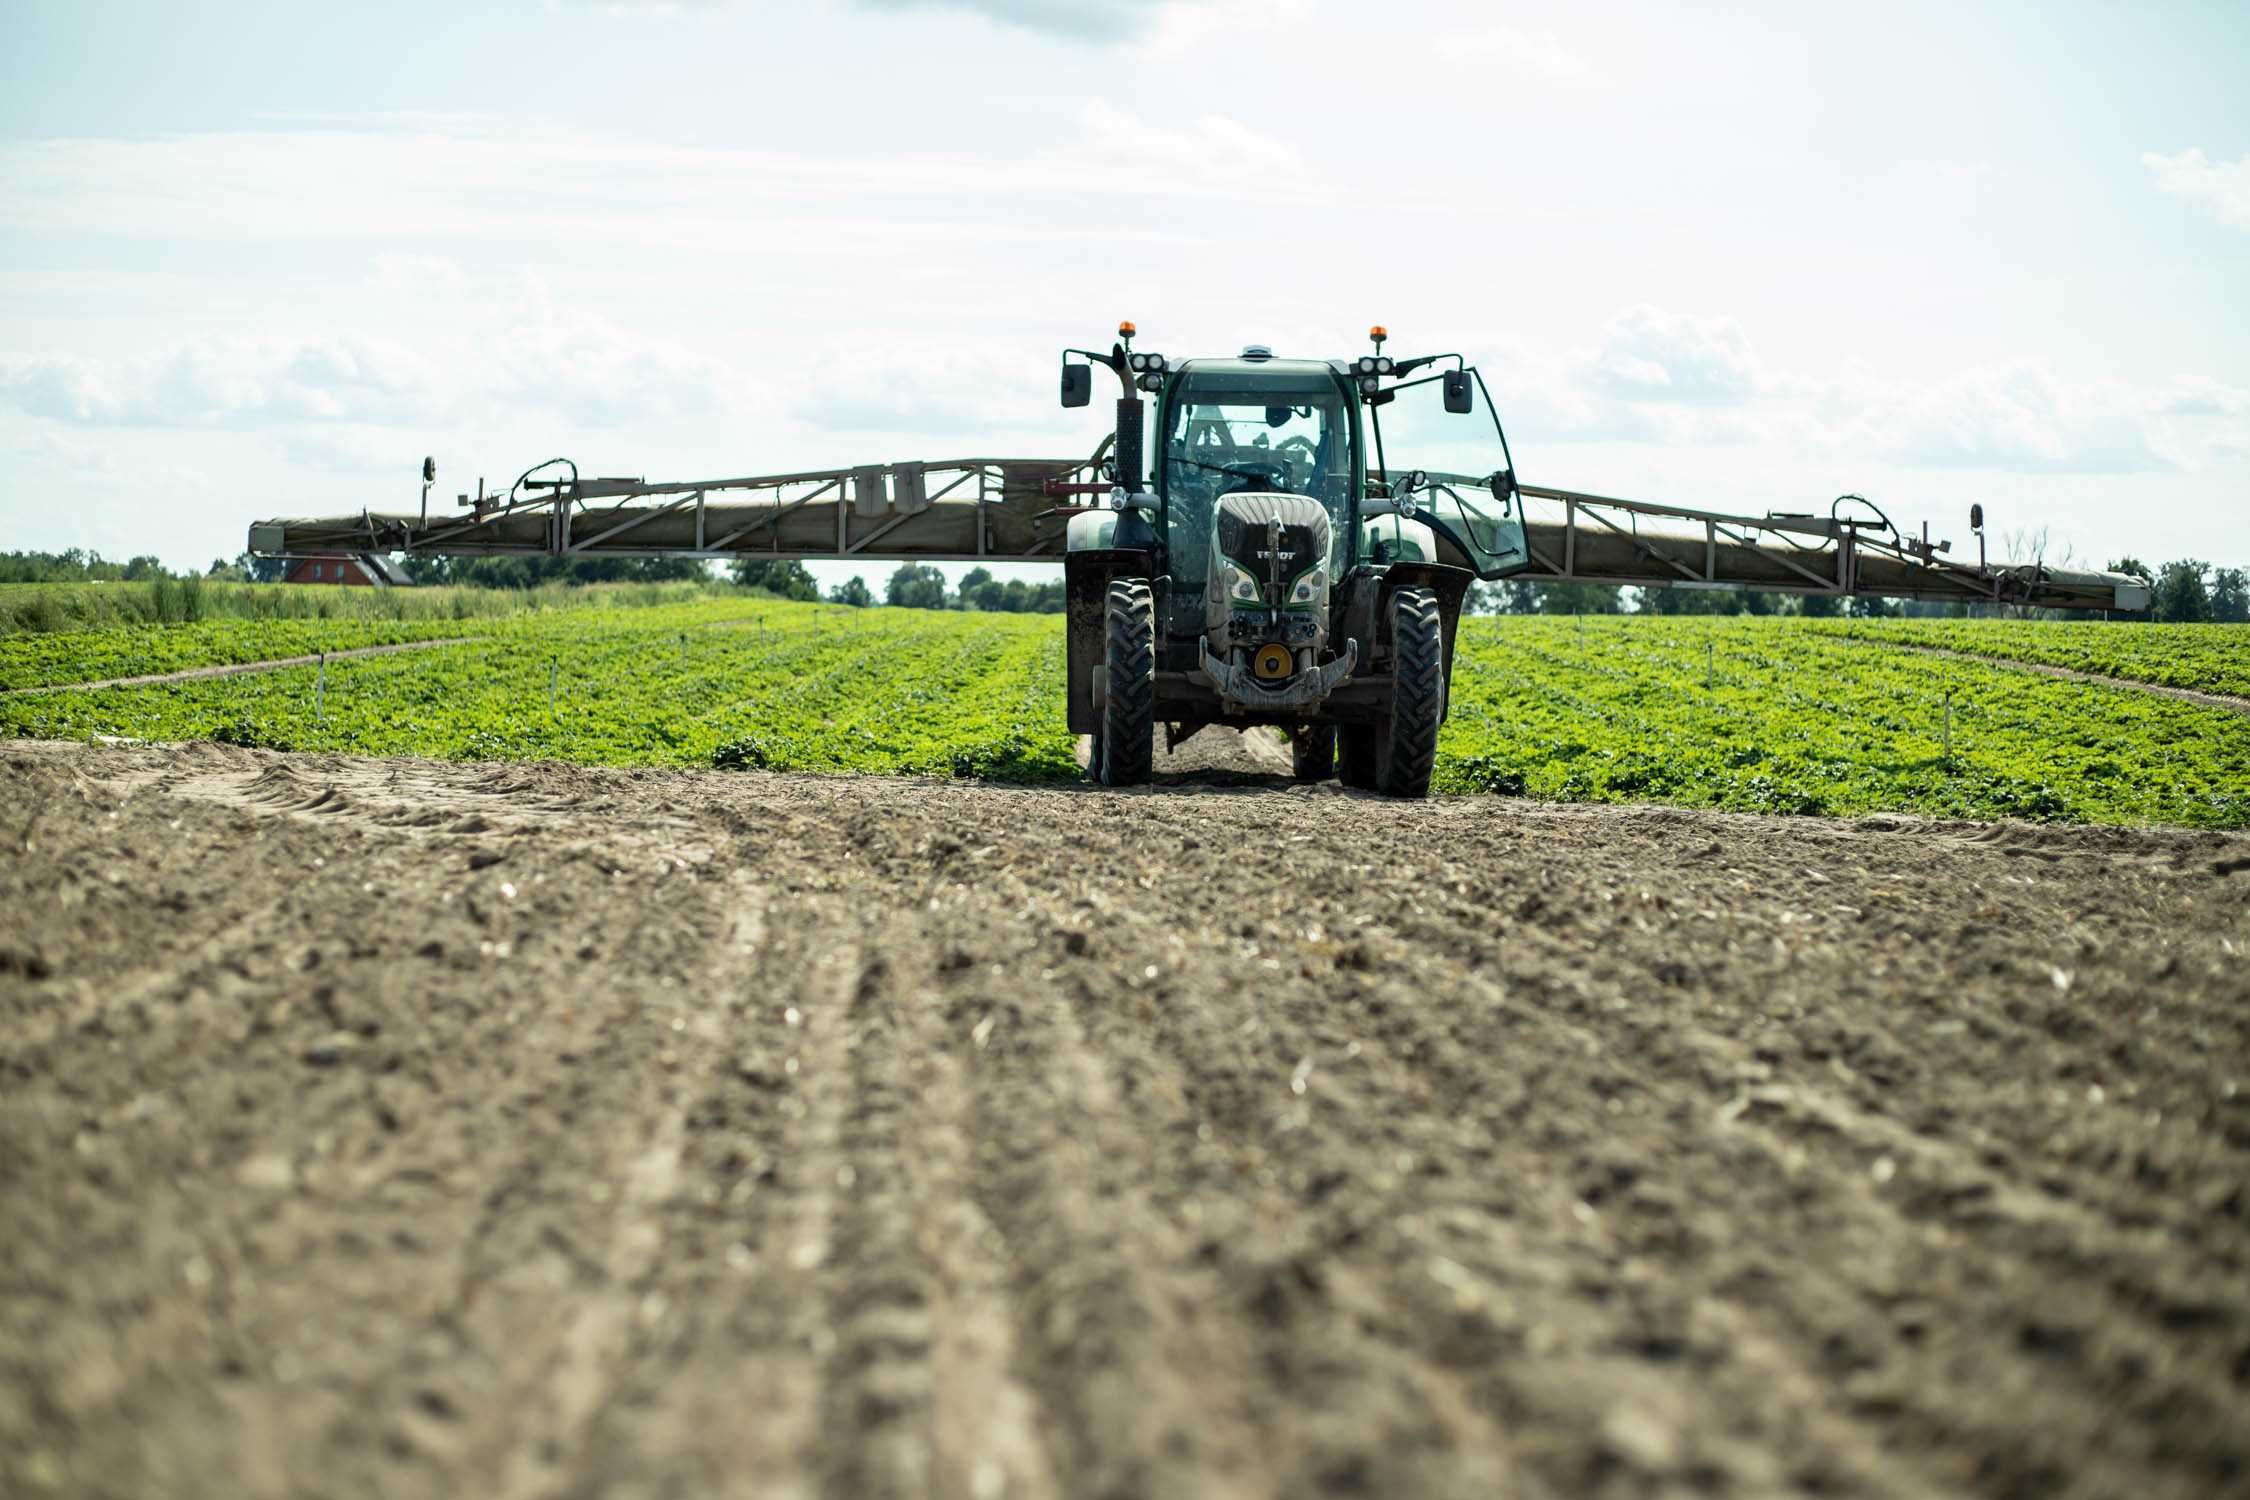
x,y
258,259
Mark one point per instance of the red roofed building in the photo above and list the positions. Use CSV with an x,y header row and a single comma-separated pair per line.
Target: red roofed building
x,y
352,569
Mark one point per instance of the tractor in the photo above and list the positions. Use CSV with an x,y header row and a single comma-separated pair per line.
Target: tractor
x,y
1291,546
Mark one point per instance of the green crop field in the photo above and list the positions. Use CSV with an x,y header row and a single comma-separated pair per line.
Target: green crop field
x,y
1768,715
2207,658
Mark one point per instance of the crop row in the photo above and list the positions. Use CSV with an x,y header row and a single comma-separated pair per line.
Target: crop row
x,y
1784,719
789,687
140,651
1762,715
2206,658
33,659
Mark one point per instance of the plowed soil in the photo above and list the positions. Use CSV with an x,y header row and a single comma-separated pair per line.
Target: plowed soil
x,y
424,1129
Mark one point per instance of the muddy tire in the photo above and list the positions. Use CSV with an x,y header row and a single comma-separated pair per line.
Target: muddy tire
x,y
1406,749
1127,742
1355,755
1312,752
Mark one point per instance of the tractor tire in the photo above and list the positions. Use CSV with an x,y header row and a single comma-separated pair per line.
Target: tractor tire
x,y
1312,752
1355,756
1126,746
1406,749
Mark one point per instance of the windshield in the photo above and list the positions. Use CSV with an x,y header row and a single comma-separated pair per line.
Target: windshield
x,y
1233,432
1459,452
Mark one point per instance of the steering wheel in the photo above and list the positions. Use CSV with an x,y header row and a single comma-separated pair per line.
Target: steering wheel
x,y
1292,447
1273,473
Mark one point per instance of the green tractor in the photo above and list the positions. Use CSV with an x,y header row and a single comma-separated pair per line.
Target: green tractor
x,y
1292,549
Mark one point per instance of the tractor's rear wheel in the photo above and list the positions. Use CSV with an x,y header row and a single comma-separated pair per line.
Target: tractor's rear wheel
x,y
1406,748
1126,745
1312,752
1355,755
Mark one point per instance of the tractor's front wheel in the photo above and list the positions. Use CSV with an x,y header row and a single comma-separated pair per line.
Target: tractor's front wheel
x,y
1312,752
1406,748
1126,746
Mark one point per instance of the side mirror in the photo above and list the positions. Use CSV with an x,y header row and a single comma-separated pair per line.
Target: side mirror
x,y
1976,518
1503,484
1459,399
1077,384
429,471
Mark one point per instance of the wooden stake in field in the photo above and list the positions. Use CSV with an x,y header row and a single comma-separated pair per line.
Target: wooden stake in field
x,y
1947,742
320,692
553,669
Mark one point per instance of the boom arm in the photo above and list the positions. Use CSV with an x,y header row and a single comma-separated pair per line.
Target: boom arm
x,y
1015,509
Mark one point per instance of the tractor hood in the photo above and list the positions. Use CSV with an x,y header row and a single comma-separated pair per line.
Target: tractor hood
x,y
1273,537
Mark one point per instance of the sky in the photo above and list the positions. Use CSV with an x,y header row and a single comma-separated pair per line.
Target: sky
x,y
257,259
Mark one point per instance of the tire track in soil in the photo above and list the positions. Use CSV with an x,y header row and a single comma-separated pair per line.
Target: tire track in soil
x,y
1468,1148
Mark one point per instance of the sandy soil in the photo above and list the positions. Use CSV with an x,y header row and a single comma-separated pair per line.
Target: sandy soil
x,y
419,1129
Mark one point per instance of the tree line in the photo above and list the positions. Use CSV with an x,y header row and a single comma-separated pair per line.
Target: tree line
x,y
2185,590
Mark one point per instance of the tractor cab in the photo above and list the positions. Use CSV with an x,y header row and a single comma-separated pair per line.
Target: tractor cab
x,y
1268,524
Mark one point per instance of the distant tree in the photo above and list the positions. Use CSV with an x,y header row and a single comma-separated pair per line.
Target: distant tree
x,y
916,586
1867,607
783,579
2134,566
1581,599
2179,596
1818,606
2230,596
145,567
979,590
1517,596
855,593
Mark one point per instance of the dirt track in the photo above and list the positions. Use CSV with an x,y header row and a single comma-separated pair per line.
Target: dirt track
x,y
396,1127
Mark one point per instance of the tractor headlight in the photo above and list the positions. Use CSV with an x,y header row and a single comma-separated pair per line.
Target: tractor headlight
x,y
1307,589
1239,585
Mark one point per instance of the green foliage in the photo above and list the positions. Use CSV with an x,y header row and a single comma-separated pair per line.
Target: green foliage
x,y
1811,717
782,579
2206,658
539,569
1768,715
75,566
2179,595
58,633
855,593
756,684
2230,597
916,586
980,590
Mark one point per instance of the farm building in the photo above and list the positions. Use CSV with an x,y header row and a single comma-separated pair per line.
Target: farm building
x,y
352,569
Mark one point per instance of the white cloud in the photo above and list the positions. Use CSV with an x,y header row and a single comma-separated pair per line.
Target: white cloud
x,y
464,185
1077,20
2017,415
2221,186
564,363
1669,378
413,274
1509,54
1648,354
226,382
597,375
